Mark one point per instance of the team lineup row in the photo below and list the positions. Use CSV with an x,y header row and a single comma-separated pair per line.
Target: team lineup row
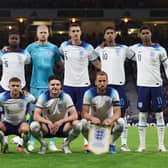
x,y
106,109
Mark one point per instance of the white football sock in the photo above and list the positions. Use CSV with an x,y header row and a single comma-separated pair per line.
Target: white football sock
x,y
124,134
160,128
142,128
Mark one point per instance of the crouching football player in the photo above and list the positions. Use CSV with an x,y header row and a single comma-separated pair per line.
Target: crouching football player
x,y
55,116
15,104
101,106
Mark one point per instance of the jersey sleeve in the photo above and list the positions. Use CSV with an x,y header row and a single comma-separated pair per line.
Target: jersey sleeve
x,y
61,49
86,98
163,55
28,49
40,101
58,56
1,98
31,98
28,57
164,61
115,98
91,52
97,49
1,54
130,53
69,102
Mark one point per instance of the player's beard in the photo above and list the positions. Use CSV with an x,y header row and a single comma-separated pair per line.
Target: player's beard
x,y
102,89
43,39
55,92
14,46
15,94
110,41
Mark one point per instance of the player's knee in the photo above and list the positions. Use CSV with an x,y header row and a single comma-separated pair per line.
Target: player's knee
x,y
24,128
120,122
84,124
85,128
78,126
1,133
119,125
35,126
2,127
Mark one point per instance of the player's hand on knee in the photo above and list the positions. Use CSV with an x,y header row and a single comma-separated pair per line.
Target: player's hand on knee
x,y
50,125
108,122
95,120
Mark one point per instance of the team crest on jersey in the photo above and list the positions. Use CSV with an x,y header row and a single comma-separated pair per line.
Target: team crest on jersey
x,y
19,59
107,103
81,53
99,134
21,105
140,104
152,54
105,55
49,53
117,50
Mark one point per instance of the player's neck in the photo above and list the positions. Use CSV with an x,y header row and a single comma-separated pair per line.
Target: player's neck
x,y
76,42
42,42
13,49
147,43
55,95
110,43
14,95
101,92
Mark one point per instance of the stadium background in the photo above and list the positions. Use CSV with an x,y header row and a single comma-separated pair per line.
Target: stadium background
x,y
93,15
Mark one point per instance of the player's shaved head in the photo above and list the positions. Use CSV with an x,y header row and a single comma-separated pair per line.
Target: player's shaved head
x,y
42,27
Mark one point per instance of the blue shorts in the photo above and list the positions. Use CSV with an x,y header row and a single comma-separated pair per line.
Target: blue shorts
x,y
76,94
150,99
59,133
122,95
11,129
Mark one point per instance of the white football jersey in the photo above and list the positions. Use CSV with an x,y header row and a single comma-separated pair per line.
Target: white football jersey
x,y
76,63
101,106
149,59
54,109
15,109
13,66
112,61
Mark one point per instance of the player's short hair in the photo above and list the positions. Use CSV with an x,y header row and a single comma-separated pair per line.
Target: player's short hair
x,y
102,73
54,77
14,79
13,33
144,27
74,25
108,28
42,26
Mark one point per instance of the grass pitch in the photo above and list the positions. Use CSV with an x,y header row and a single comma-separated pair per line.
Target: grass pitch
x,y
78,159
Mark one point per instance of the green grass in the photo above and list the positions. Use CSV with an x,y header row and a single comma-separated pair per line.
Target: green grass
x,y
78,159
